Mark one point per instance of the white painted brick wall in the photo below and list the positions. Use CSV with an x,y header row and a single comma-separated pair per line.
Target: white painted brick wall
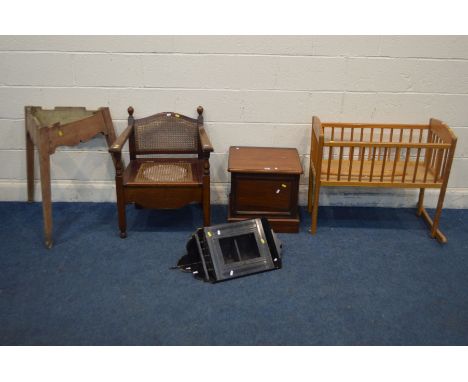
x,y
256,90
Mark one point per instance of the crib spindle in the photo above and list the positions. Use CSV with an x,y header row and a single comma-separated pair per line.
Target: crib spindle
x,y
363,155
372,164
360,140
351,157
434,152
416,164
371,139
440,153
405,166
340,162
383,164
391,140
444,163
330,152
382,131
428,156
395,162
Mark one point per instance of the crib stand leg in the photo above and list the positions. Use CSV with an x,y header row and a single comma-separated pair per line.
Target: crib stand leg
x,y
420,201
311,188
440,203
433,224
310,193
314,213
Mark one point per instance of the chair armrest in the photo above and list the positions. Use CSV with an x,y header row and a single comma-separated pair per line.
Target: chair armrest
x,y
120,141
204,140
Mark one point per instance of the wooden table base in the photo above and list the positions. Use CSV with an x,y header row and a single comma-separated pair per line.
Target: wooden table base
x,y
48,129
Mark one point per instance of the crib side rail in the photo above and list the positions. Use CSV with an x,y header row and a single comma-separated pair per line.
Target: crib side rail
x,y
383,154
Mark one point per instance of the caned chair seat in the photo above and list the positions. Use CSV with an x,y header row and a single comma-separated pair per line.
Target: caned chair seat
x,y
152,171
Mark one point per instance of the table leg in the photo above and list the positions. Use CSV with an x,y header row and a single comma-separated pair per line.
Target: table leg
x,y
46,195
30,166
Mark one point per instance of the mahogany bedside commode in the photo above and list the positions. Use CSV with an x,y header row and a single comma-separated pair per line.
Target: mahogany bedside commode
x,y
265,183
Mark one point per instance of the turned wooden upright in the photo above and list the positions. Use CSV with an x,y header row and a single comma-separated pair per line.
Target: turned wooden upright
x,y
49,129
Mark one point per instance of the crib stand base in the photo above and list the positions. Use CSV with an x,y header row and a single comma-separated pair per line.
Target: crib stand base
x,y
437,232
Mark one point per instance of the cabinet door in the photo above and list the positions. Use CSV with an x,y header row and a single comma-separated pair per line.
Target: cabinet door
x,y
264,194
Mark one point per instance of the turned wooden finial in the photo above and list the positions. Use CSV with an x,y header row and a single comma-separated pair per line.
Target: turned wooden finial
x,y
130,111
200,110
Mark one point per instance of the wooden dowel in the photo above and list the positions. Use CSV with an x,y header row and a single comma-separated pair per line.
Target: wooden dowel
x,y
330,157
428,163
393,145
397,154
383,164
433,159
360,140
351,157
363,154
440,154
372,164
382,131
408,153
416,164
377,125
444,163
340,161
391,135
429,155
371,140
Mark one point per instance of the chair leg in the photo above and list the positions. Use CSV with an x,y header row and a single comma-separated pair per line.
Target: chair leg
x,y
121,208
314,213
46,196
122,219
420,201
206,203
206,215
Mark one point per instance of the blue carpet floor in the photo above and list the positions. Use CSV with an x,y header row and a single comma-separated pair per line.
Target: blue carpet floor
x,y
370,276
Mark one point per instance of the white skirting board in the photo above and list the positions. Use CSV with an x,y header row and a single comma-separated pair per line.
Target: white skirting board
x,y
104,191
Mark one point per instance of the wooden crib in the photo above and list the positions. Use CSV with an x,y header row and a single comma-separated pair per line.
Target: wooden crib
x,y
382,155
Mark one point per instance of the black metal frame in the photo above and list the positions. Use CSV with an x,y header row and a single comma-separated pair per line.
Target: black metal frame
x,y
205,258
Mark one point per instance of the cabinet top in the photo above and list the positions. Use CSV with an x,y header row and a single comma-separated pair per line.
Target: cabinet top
x,y
268,160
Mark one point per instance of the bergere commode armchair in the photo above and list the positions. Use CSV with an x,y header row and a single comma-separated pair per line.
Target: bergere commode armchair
x,y
163,182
